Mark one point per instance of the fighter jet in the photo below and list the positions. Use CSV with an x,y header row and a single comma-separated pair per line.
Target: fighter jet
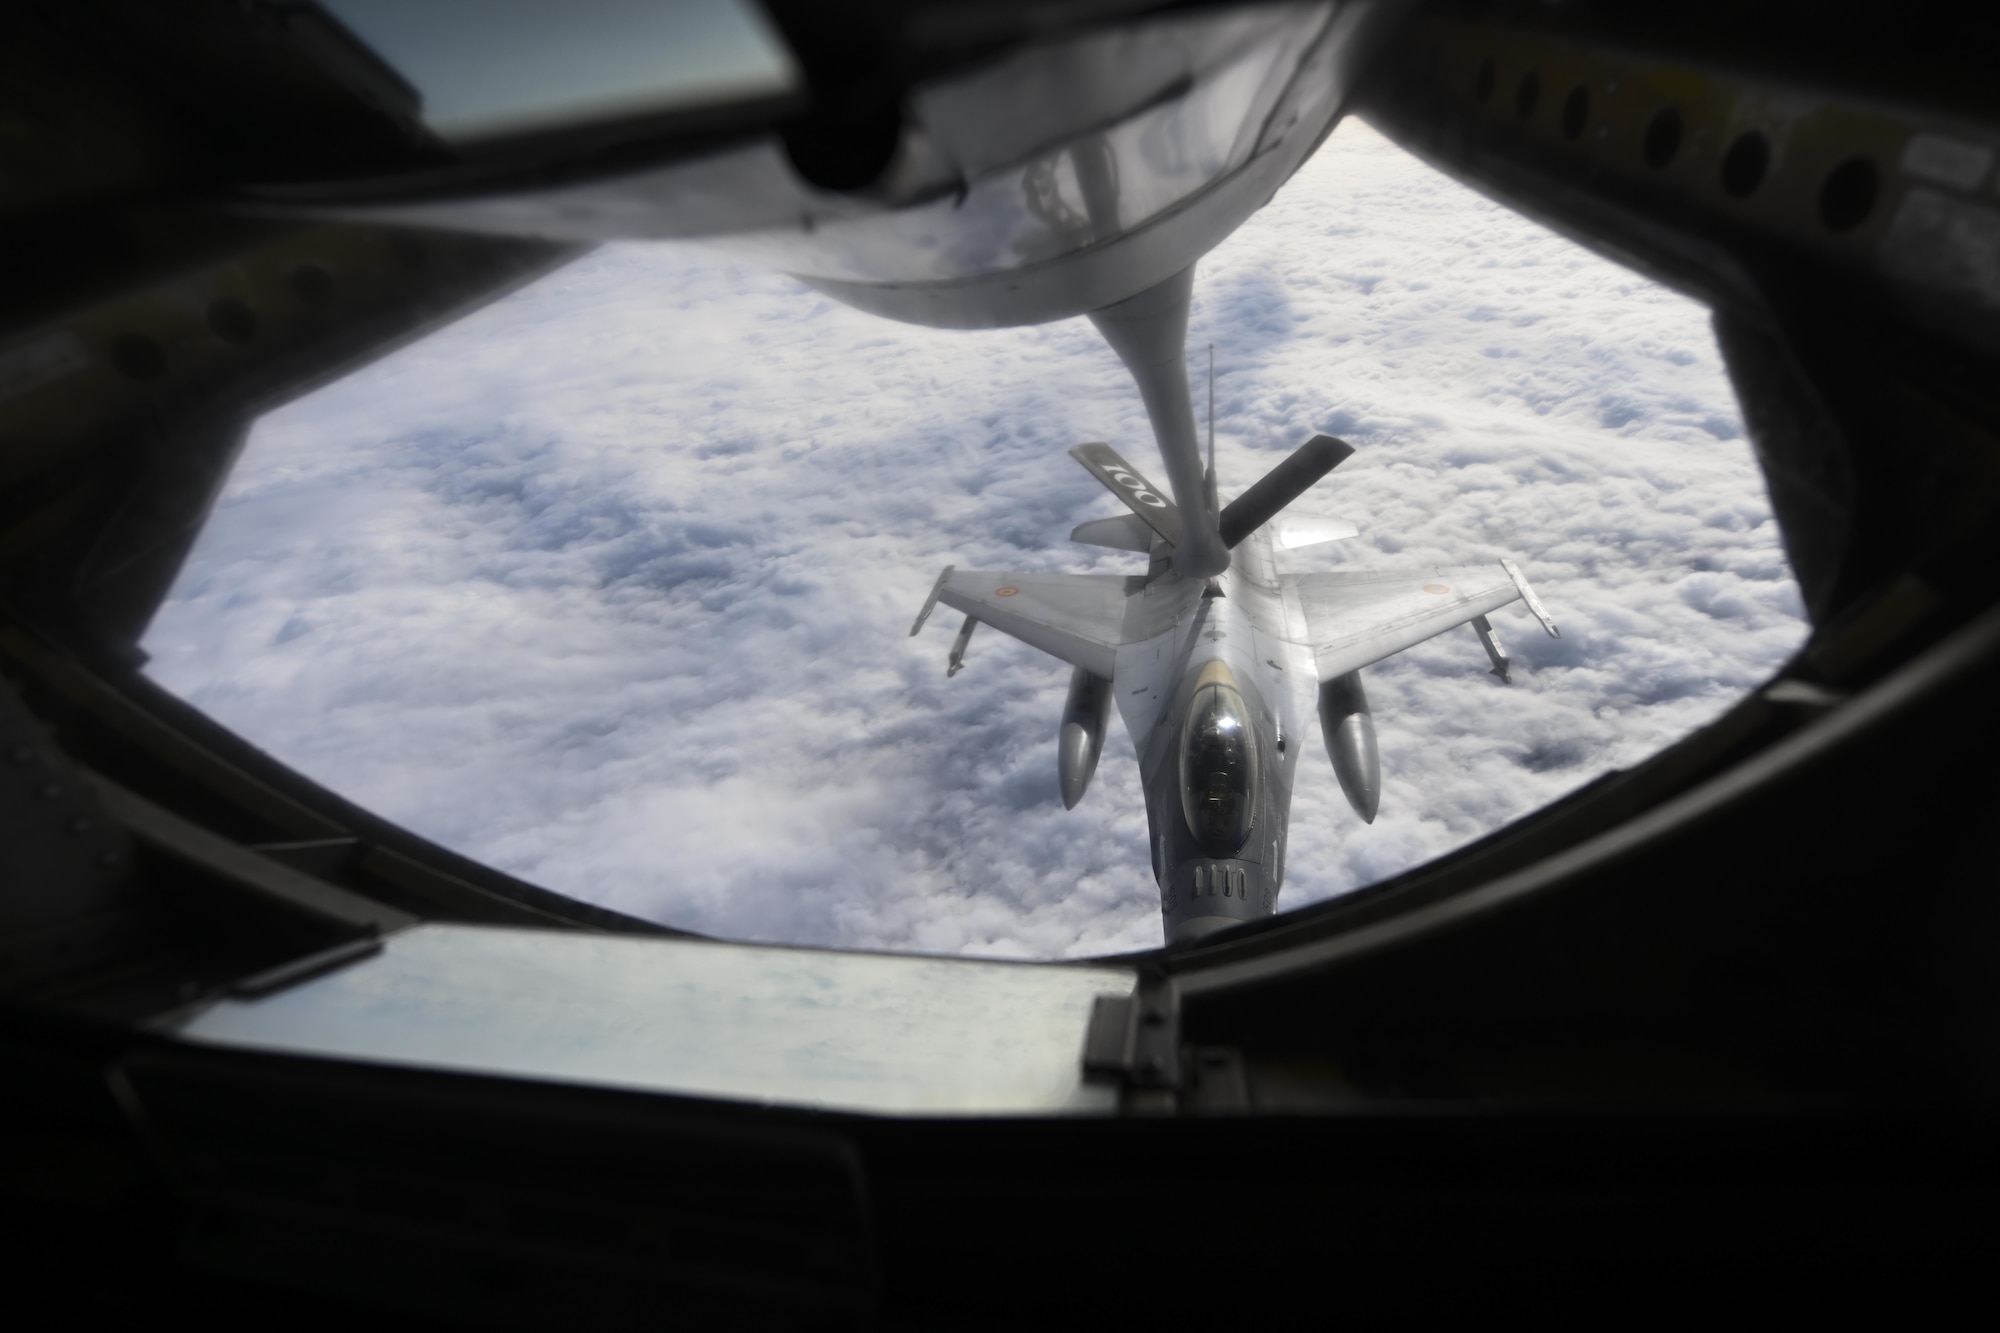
x,y
1213,655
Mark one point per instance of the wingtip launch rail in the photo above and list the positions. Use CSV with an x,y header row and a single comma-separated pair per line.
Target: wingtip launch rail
x,y
1533,603
930,602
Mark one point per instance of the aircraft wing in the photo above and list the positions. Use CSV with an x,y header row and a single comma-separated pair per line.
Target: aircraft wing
x,y
1079,618
1354,618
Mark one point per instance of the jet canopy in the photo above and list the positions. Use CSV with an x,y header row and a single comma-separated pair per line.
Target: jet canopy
x,y
1218,767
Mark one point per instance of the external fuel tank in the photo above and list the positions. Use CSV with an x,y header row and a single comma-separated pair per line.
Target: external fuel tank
x,y
1349,730
1080,740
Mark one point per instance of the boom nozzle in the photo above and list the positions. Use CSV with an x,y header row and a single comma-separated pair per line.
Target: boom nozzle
x,y
1149,333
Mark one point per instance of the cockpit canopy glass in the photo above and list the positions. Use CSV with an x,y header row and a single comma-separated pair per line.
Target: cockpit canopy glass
x,y
1219,770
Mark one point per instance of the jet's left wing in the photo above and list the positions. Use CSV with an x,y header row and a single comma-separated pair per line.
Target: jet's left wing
x,y
1354,618
1079,618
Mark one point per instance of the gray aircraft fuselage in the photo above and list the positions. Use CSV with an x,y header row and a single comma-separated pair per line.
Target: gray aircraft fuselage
x,y
1216,702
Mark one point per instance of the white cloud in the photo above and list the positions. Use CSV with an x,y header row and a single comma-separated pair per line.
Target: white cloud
x,y
608,584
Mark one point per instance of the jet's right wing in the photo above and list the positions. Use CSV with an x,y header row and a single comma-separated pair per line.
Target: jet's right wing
x,y
1079,618
1358,617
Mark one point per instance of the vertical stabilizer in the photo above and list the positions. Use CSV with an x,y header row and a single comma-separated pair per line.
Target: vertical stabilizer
x,y
1149,333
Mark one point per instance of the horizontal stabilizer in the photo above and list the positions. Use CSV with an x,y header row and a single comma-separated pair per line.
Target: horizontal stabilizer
x,y
1292,533
1123,480
1121,532
1281,485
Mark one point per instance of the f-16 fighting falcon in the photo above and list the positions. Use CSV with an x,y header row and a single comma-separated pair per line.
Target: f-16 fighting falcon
x,y
1212,654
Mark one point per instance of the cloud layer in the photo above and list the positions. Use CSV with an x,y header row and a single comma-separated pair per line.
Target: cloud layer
x,y
609,583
